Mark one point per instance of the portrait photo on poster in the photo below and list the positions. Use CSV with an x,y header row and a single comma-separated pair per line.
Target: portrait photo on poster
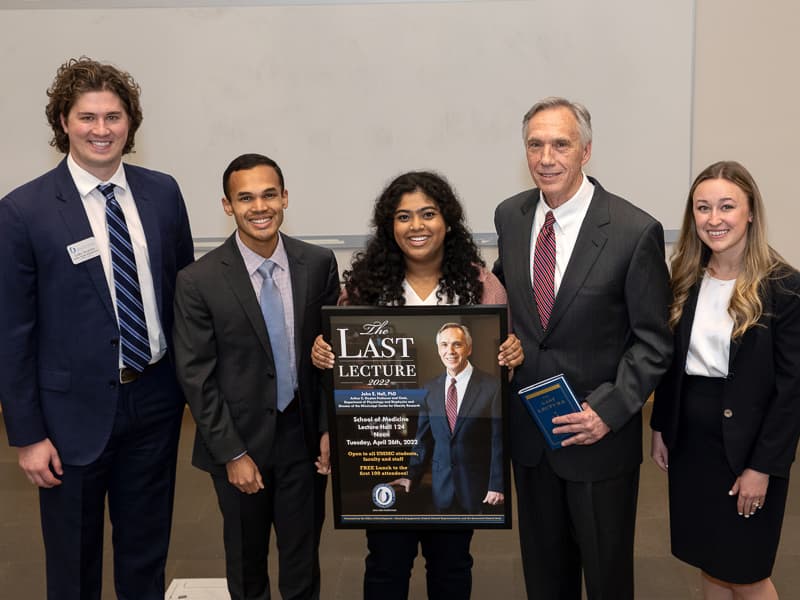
x,y
416,406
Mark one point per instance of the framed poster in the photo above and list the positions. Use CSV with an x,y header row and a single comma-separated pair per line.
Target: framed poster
x,y
416,414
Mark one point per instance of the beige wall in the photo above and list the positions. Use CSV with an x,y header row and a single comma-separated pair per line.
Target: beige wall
x,y
746,105
746,100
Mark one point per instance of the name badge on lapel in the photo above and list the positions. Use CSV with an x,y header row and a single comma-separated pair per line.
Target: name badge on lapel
x,y
82,251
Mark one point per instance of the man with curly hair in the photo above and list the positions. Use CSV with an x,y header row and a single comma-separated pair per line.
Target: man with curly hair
x,y
91,251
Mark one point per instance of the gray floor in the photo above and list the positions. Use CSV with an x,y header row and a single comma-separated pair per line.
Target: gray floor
x,y
196,549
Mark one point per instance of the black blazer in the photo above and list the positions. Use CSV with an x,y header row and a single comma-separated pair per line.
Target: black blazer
x,y
224,360
607,333
761,394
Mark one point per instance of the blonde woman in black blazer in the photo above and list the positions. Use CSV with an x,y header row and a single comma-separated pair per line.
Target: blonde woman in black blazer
x,y
726,417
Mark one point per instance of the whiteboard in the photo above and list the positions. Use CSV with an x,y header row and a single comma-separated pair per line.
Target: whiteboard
x,y
345,96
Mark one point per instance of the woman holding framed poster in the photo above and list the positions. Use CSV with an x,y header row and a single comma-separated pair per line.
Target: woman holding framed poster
x,y
421,253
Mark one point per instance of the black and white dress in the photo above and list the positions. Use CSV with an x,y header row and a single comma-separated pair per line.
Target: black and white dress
x,y
706,530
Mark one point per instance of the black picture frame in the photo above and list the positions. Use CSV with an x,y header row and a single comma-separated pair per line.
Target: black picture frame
x,y
386,367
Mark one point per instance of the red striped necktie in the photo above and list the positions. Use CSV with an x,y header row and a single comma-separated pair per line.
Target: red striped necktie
x,y
544,269
451,404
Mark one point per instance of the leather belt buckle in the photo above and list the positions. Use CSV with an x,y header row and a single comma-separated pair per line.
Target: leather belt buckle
x,y
128,375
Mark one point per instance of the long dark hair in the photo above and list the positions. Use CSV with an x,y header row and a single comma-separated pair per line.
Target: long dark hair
x,y
375,277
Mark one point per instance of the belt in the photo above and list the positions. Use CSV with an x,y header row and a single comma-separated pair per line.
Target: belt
x,y
128,375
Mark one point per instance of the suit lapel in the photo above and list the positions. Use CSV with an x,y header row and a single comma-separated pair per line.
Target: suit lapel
x,y
591,240
684,329
298,271
468,402
238,280
437,410
768,311
519,266
152,232
77,223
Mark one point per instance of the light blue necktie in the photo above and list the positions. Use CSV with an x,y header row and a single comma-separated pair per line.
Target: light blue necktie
x,y
275,319
133,337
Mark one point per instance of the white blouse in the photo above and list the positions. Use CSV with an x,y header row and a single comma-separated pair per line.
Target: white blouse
x,y
412,299
710,341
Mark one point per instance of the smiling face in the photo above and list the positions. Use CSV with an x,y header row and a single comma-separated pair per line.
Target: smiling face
x,y
722,216
454,350
556,154
419,229
256,201
97,127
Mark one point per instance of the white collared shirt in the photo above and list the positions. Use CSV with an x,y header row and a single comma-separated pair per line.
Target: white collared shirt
x,y
283,280
569,218
462,381
94,203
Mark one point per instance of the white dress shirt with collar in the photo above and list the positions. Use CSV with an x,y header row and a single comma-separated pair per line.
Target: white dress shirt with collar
x,y
283,280
94,203
462,381
569,218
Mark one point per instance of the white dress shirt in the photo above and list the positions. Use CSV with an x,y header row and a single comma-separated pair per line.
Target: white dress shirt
x,y
569,218
94,203
462,381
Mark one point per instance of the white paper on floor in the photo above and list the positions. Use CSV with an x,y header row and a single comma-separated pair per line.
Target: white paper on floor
x,y
198,589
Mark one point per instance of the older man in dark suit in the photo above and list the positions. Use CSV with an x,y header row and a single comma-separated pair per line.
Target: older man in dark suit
x,y
247,314
460,431
588,293
90,251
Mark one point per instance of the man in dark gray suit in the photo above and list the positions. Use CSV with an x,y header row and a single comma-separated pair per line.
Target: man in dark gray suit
x,y
588,291
250,384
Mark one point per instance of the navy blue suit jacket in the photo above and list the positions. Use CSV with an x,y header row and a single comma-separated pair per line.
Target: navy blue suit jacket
x,y
59,368
468,462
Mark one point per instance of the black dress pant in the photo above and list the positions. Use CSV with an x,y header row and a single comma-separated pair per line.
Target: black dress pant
x,y
566,527
286,503
448,563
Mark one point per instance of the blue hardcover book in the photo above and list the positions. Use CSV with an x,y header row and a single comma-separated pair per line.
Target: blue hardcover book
x,y
547,399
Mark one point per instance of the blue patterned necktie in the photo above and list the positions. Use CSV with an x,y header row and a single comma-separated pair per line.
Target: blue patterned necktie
x,y
133,337
275,319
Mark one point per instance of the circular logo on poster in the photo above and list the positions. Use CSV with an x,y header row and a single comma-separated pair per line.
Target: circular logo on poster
x,y
383,495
